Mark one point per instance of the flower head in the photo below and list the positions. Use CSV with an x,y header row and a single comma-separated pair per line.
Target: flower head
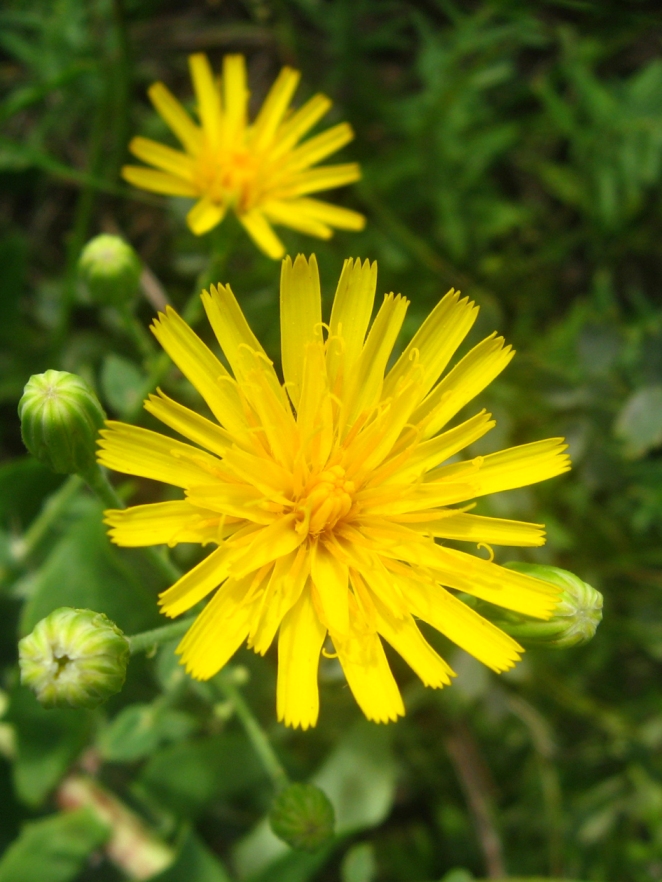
x,y
324,495
260,170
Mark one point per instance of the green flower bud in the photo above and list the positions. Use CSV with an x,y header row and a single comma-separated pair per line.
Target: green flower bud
x,y
302,816
110,269
60,418
74,658
574,621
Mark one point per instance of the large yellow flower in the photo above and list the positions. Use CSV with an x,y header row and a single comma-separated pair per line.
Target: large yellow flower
x,y
260,170
324,494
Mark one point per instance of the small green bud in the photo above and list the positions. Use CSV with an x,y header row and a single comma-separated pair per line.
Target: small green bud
x,y
110,269
302,816
574,621
60,418
74,658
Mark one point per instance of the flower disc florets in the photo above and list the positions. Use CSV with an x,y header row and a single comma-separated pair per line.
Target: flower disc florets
x,y
325,493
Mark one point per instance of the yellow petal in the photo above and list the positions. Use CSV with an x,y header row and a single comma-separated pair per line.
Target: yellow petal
x,y
350,316
136,451
260,231
201,367
162,523
300,317
233,331
365,385
330,577
218,631
208,98
333,215
288,214
318,148
327,177
174,115
188,423
197,583
435,342
157,181
204,216
299,646
369,676
492,531
287,581
404,636
268,544
274,108
461,624
300,122
234,500
168,160
467,379
235,99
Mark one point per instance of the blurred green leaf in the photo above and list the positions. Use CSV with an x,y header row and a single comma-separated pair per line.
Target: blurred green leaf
x,y
140,728
185,777
639,424
85,571
48,741
121,384
194,863
54,849
24,485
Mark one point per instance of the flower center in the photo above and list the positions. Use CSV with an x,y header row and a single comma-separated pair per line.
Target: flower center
x,y
229,177
326,500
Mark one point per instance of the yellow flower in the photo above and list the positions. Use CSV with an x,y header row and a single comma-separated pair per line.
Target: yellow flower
x,y
259,169
324,494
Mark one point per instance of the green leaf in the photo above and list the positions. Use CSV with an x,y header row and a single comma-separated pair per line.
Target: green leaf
x,y
24,485
48,741
53,850
186,776
121,384
194,863
140,728
85,571
639,424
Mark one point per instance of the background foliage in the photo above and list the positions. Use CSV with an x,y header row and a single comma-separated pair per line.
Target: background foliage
x,y
512,149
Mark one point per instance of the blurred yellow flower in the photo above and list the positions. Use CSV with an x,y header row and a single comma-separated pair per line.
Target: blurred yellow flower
x,y
324,494
259,169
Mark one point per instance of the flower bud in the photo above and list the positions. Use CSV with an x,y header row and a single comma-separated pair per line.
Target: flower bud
x,y
74,658
60,418
302,816
110,269
573,622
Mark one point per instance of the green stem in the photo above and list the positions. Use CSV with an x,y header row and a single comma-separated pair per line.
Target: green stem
x,y
47,517
99,484
256,734
141,339
148,640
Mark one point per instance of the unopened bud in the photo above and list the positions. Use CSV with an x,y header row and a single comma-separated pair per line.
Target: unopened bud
x,y
574,620
60,418
74,658
110,269
302,816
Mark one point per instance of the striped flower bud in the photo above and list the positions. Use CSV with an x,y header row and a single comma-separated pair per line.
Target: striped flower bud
x,y
74,658
574,621
302,816
110,270
60,418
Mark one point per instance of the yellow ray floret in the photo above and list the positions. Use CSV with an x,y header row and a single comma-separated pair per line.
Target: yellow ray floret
x,y
259,170
328,494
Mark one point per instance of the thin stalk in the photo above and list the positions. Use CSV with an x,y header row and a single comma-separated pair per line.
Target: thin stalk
x,y
46,519
136,331
99,484
148,640
256,734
